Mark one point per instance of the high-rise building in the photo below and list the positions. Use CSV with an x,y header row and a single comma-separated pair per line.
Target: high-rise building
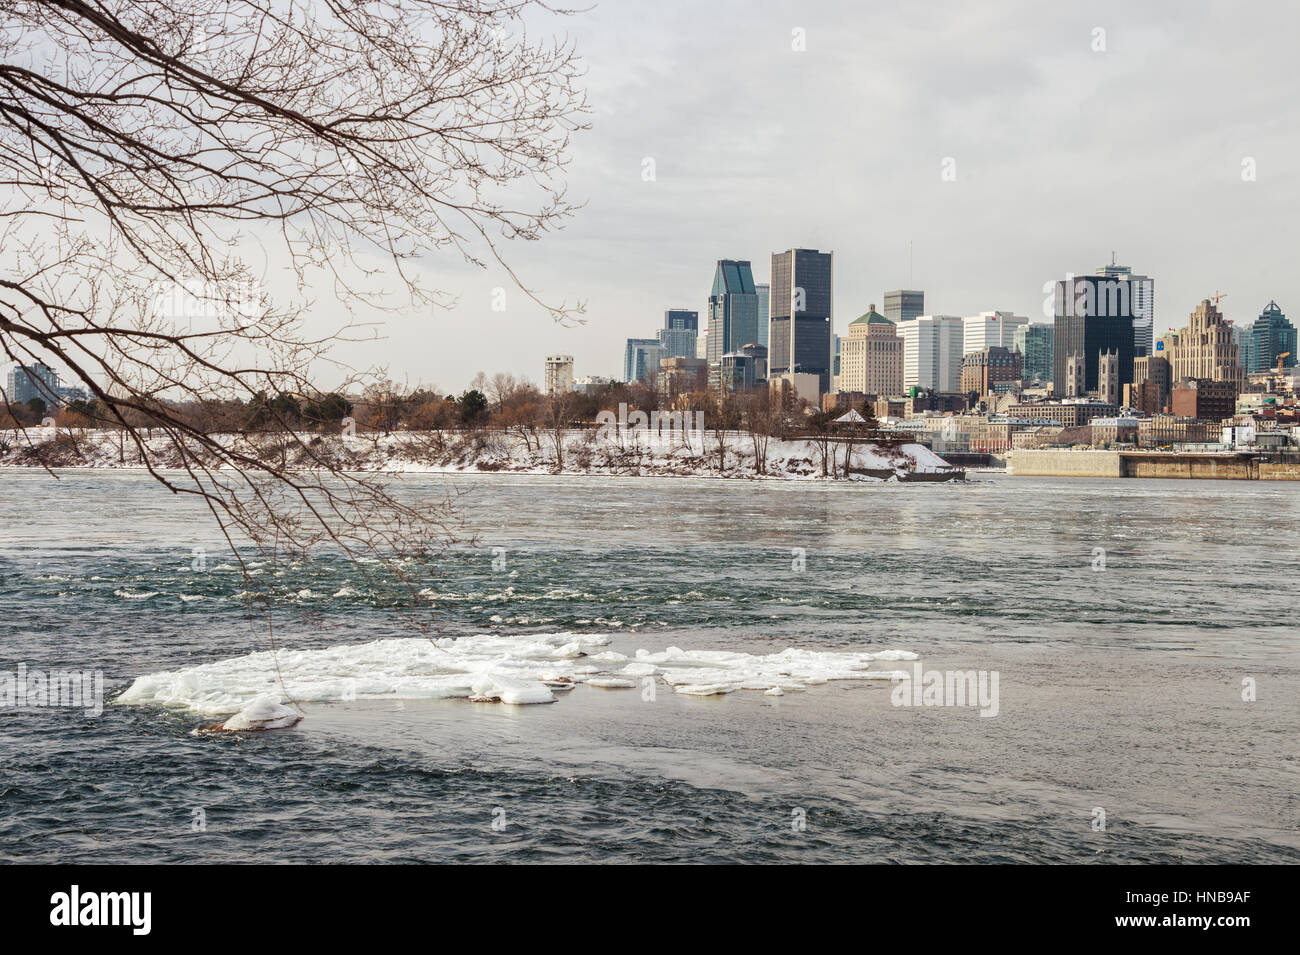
x,y
744,368
1142,295
641,359
871,356
1243,337
733,309
1034,342
682,318
903,305
1204,348
677,337
990,329
802,313
1272,335
764,312
1093,315
559,374
37,380
932,352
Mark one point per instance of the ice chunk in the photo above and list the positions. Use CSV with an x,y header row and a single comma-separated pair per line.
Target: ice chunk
x,y
264,713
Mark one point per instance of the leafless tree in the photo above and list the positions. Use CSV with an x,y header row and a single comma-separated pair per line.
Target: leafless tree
x,y
760,413
146,146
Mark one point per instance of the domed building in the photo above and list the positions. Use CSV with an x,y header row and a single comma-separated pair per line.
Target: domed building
x,y
871,356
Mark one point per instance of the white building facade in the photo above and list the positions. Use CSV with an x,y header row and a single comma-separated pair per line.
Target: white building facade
x,y
932,352
990,329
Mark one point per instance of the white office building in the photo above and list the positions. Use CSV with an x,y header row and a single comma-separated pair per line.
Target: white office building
x,y
932,352
990,329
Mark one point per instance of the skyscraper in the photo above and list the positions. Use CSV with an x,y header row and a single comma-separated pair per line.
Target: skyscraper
x,y
677,337
37,380
990,329
764,312
871,356
1142,294
1272,335
1093,314
641,359
733,309
802,311
932,352
1204,348
1034,342
903,305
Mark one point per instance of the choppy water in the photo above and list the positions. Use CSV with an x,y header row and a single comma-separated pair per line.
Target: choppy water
x,y
1120,687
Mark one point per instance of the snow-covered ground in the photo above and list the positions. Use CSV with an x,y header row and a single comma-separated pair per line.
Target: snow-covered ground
x,y
490,668
685,454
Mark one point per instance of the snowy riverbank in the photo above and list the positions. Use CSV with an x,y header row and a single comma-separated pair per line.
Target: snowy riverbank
x,y
678,454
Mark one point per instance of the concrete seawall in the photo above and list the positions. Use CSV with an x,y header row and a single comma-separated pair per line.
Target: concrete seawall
x,y
1229,466
1065,463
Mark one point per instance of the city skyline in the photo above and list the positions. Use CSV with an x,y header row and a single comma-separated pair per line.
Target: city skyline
x,y
1188,108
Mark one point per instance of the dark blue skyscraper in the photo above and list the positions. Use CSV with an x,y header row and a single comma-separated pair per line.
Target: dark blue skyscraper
x,y
1272,335
733,309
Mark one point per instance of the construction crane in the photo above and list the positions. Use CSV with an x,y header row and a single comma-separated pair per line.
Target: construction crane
x,y
1285,354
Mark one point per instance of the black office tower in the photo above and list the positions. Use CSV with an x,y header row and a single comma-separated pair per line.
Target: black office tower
x,y
1094,314
801,309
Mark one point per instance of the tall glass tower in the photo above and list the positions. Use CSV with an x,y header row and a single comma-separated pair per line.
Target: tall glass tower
x,y
733,309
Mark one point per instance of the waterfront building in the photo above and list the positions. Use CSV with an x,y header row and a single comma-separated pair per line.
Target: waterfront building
x,y
903,305
1067,414
801,316
871,356
1165,430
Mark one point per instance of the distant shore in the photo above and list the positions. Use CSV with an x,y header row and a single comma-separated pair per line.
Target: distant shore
x,y
634,452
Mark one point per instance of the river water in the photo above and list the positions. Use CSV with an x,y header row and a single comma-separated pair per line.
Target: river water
x,y
1125,620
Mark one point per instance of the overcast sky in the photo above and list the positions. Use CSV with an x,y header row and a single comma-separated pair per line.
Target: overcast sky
x,y
1062,153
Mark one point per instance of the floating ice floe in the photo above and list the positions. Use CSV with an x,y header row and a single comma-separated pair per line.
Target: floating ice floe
x,y
264,713
485,667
